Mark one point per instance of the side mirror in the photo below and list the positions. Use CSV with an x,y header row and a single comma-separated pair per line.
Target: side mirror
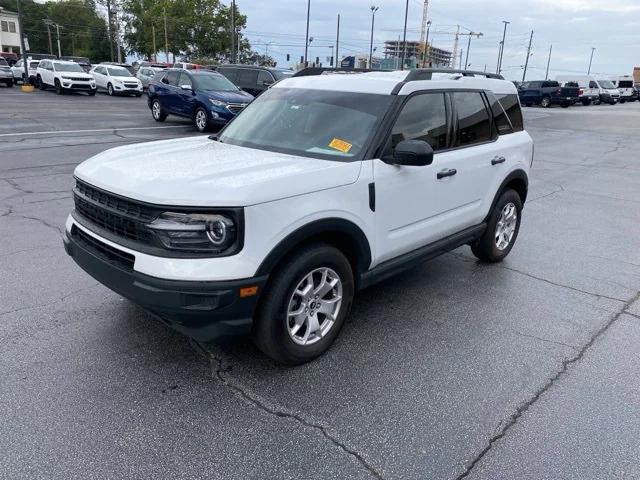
x,y
186,87
267,83
417,153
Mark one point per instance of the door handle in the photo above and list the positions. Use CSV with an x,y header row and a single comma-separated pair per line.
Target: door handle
x,y
447,172
498,160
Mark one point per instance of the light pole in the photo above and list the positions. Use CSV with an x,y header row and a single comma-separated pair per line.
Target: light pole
x,y
504,37
309,40
404,38
373,18
593,49
338,43
48,23
548,62
426,47
306,41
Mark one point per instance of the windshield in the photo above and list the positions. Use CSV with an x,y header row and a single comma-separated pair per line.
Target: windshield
x,y
67,67
280,74
119,72
605,84
309,123
33,65
214,82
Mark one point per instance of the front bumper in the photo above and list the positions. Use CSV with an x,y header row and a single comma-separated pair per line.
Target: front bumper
x,y
201,310
79,86
120,88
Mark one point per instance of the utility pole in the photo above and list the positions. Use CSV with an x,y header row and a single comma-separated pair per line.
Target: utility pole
x,y
425,22
373,18
153,34
461,52
425,62
398,53
306,38
23,50
109,28
48,22
526,62
471,34
73,45
504,37
118,38
166,38
58,35
548,62
338,63
233,31
593,49
404,38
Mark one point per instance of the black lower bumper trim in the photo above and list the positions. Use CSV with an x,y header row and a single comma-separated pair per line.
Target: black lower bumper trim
x,y
201,310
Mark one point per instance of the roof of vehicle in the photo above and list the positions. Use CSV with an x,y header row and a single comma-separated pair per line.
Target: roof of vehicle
x,y
401,82
255,67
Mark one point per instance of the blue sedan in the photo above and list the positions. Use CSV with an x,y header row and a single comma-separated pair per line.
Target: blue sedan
x,y
206,97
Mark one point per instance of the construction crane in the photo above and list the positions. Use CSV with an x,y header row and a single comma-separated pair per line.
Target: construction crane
x,y
459,34
423,27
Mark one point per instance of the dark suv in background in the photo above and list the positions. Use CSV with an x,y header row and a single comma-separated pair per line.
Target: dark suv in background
x,y
206,97
548,92
251,78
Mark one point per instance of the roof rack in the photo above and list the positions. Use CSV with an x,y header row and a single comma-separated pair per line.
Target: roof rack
x,y
427,73
309,71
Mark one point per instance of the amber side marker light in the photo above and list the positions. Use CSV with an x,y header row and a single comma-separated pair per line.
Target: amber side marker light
x,y
248,291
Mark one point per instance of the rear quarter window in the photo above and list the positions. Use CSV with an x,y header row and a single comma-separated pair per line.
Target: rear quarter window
x,y
511,105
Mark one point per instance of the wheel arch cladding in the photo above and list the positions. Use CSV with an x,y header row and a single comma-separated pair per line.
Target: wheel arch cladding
x,y
343,234
516,180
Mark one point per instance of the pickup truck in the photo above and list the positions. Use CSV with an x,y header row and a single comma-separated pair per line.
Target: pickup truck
x,y
546,93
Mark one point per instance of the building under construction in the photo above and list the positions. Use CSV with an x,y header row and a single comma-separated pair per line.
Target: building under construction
x,y
413,53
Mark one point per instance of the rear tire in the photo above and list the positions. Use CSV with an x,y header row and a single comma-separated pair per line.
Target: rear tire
x,y
545,102
502,229
298,286
201,120
156,111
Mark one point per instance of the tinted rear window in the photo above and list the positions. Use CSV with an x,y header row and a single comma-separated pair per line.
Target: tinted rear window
x,y
511,105
625,84
474,123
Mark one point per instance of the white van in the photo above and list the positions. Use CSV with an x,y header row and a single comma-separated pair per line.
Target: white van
x,y
624,84
592,90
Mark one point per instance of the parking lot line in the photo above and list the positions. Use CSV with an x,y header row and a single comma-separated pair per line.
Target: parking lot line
x,y
91,131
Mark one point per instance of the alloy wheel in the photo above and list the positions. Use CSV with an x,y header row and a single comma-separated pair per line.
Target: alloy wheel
x,y
155,109
201,120
506,226
314,306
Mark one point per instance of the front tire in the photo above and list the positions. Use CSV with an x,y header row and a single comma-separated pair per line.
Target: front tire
x,y
110,90
305,305
58,86
586,102
502,229
156,111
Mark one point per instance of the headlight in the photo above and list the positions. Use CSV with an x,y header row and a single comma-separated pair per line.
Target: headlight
x,y
195,232
66,77
218,103
119,82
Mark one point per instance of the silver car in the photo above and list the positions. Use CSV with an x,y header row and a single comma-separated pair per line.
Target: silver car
x,y
145,74
6,75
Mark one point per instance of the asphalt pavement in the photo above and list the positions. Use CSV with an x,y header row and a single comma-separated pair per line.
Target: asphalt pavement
x,y
526,369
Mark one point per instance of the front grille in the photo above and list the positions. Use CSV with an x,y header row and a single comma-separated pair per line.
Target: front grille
x,y
236,108
78,79
75,86
124,218
131,85
102,250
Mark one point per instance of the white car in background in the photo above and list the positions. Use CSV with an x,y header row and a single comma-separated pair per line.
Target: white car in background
x,y
64,76
116,80
18,70
145,74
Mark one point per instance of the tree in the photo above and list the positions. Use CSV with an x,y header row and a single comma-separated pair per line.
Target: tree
x,y
83,31
195,28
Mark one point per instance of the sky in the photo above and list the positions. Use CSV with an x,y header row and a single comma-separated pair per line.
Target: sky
x,y
574,27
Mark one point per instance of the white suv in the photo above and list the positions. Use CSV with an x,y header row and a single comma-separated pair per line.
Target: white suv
x,y
116,80
322,186
64,76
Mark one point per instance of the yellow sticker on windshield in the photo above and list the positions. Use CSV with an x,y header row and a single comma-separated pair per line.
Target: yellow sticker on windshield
x,y
340,145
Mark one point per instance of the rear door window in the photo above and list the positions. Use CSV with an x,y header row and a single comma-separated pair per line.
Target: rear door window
x,y
171,78
474,122
247,77
500,120
264,78
185,79
229,72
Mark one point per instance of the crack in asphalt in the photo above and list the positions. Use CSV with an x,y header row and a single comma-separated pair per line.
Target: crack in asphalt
x,y
545,340
36,219
466,259
52,302
218,371
523,408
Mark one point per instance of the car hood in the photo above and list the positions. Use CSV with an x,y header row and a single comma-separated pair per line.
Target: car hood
x,y
232,97
124,79
83,75
199,172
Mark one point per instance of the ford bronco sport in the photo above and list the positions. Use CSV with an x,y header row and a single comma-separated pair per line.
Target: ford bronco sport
x,y
321,187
